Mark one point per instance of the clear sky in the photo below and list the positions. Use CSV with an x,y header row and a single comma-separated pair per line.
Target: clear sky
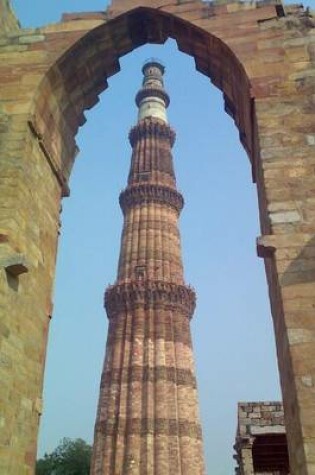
x,y
232,328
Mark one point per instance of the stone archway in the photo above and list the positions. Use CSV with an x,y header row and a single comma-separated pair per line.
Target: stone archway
x,y
262,56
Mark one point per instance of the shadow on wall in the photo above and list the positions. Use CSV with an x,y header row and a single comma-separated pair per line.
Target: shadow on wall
x,y
302,268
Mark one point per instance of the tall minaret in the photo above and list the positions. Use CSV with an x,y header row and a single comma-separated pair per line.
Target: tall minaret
x,y
148,417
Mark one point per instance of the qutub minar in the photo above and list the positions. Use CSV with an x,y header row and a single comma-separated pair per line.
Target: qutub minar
x,y
148,416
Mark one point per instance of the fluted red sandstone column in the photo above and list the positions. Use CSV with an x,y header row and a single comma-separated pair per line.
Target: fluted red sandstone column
x,y
148,418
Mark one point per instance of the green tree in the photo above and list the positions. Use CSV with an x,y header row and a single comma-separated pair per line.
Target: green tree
x,y
71,457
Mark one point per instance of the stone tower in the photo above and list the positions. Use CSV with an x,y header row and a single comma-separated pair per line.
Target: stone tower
x,y
148,417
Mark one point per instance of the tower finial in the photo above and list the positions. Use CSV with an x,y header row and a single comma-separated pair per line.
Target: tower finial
x,y
152,99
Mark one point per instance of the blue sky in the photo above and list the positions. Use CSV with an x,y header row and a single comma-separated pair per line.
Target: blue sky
x,y
232,327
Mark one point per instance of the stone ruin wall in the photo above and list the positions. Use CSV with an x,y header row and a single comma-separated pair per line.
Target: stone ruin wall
x,y
257,420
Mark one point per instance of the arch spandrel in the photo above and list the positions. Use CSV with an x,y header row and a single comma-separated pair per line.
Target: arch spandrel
x,y
80,81
212,32
262,58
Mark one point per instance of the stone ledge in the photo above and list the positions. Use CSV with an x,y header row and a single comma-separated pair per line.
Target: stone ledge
x,y
149,193
13,262
268,244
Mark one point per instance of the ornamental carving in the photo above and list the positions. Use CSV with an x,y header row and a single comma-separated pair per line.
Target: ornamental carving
x,y
149,193
130,295
151,127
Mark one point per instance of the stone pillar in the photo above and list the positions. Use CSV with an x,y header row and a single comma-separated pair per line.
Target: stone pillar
x,y
148,418
247,457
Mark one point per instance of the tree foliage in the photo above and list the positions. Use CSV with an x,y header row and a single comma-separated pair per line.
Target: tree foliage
x,y
71,457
